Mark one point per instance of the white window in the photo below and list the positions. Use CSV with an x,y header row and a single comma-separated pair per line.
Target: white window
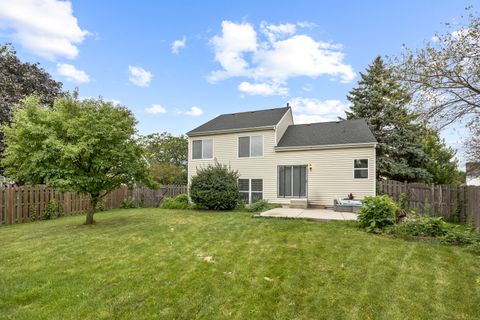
x,y
360,168
250,146
202,149
251,190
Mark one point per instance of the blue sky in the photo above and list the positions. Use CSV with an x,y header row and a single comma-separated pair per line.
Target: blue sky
x,y
177,64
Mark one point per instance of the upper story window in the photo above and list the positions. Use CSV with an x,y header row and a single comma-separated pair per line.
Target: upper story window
x,y
250,146
360,168
202,149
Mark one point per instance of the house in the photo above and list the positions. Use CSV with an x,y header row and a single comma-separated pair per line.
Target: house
x,y
473,173
296,165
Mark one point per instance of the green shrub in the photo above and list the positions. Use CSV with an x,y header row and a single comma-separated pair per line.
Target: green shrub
x,y
418,226
128,203
241,205
436,228
33,213
215,187
100,206
460,236
179,202
260,206
50,211
376,213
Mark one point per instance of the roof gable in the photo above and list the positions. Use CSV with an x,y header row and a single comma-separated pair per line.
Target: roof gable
x,y
241,121
326,134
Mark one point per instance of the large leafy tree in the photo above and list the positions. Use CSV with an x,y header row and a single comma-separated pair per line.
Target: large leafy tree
x,y
382,102
472,145
83,146
444,75
18,80
441,164
167,156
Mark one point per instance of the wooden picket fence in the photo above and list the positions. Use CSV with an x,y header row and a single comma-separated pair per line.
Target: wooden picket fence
x,y
19,204
453,203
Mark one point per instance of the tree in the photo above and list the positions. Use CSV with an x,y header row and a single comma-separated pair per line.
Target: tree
x,y
167,173
472,145
83,146
382,102
167,156
18,80
444,76
441,163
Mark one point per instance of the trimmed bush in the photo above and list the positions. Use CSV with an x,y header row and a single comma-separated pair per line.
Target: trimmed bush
x,y
215,187
377,212
179,202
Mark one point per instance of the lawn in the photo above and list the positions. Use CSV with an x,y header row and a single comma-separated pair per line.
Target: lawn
x,y
167,264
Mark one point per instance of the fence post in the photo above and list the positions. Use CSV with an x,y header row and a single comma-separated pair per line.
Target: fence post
x,y
9,205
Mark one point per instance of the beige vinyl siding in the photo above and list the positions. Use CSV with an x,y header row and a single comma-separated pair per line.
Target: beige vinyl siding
x,y
331,175
283,125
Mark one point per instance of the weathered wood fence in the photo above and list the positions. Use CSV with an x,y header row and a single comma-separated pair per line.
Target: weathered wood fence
x,y
454,203
20,204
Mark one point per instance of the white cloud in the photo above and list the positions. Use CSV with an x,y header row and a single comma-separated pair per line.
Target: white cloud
x,y
236,39
194,112
274,31
46,28
178,44
139,76
72,74
264,89
300,55
306,24
285,54
307,87
309,110
156,108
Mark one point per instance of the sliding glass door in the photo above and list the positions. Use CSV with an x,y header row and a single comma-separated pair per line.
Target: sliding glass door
x,y
292,181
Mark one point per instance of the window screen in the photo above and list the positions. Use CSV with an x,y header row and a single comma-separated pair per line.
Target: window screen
x,y
207,147
243,147
197,149
257,189
292,181
202,149
299,181
251,190
256,146
251,146
360,168
244,187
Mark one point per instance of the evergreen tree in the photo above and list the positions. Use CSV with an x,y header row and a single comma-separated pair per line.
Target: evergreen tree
x,y
441,159
382,102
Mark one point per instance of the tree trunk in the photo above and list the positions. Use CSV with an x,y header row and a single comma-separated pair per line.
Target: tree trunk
x,y
91,209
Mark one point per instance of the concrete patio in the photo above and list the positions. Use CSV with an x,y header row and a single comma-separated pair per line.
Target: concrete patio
x,y
315,214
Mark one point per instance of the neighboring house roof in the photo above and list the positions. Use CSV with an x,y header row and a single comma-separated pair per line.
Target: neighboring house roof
x,y
325,134
261,119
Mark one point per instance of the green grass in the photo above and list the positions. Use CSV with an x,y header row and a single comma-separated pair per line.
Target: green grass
x,y
152,264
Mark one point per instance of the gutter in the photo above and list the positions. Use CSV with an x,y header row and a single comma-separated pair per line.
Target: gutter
x,y
326,146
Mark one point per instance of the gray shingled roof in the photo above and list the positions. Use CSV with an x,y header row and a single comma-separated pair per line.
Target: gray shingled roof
x,y
241,120
327,133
